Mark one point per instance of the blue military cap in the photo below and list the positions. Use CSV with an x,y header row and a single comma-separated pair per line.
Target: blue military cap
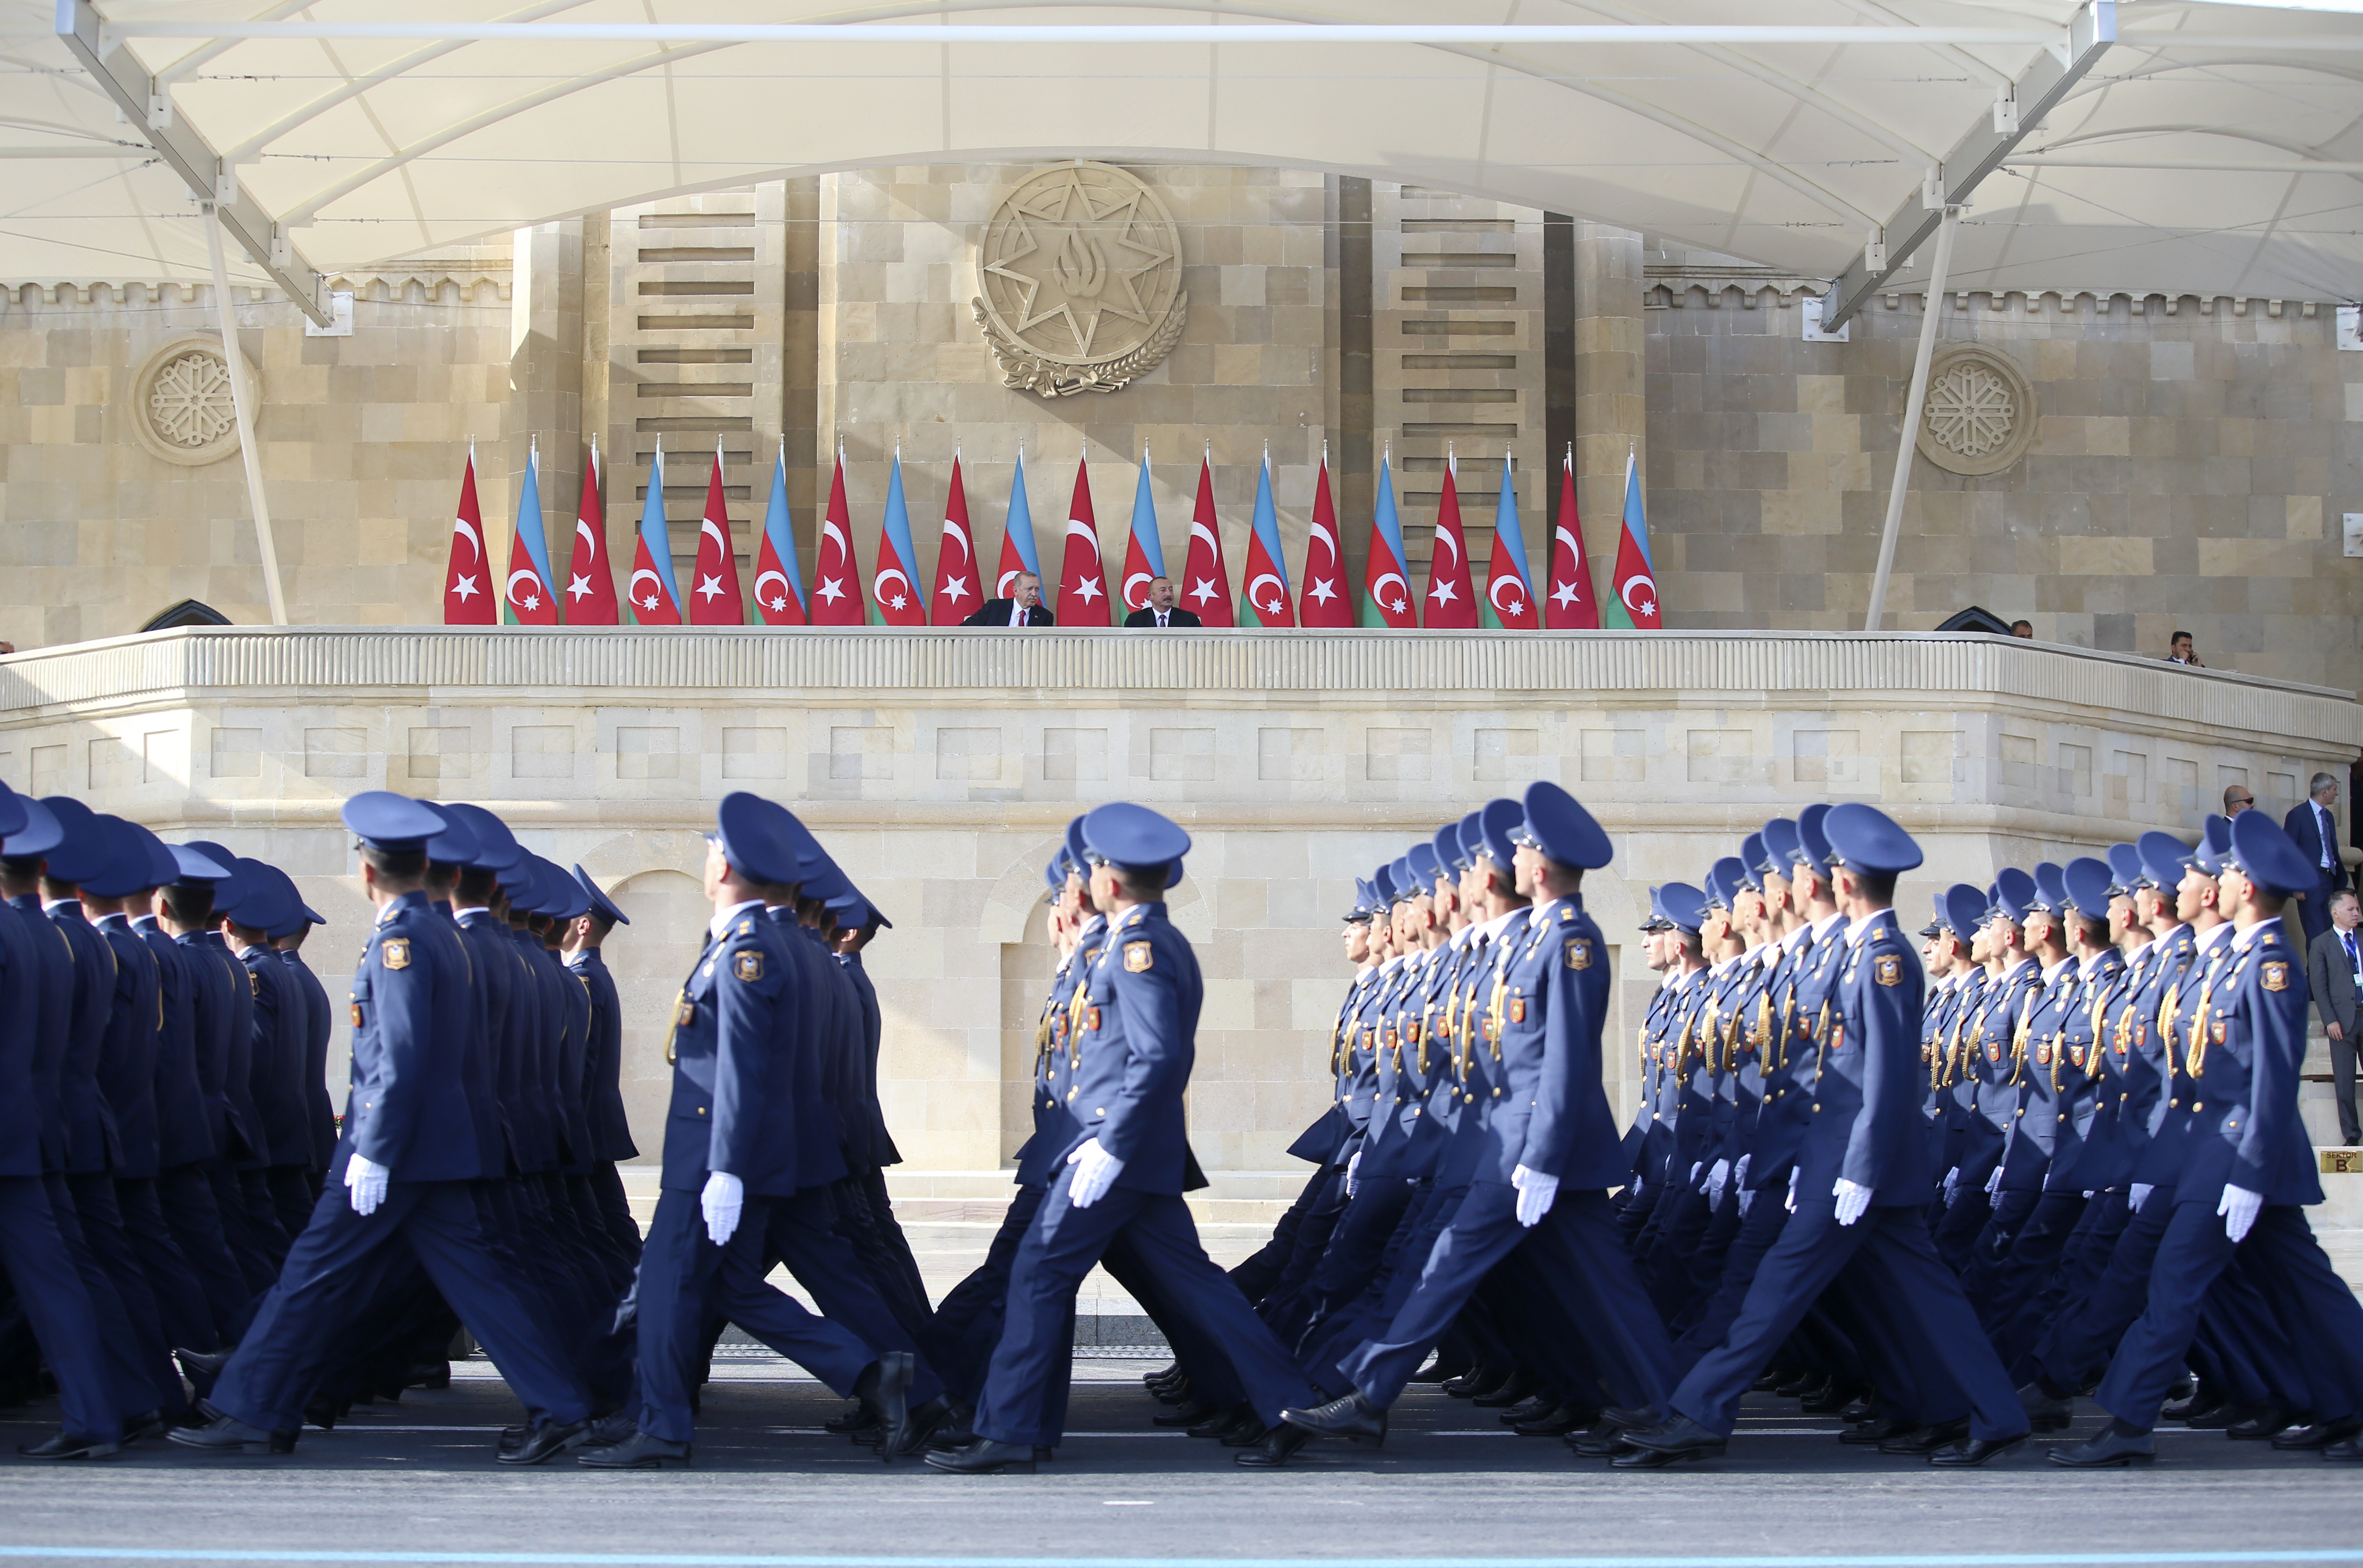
x,y
1751,858
456,845
1422,864
1052,877
266,898
1366,899
600,904
1561,830
2125,872
83,850
383,819
1407,882
1656,918
1075,861
2213,851
1447,845
1813,849
1495,819
810,856
230,885
497,849
293,915
747,827
1780,846
164,866
1173,874
520,881
191,864
2163,857
2265,854
1964,910
1936,921
2015,895
1863,838
563,897
2089,884
1472,835
127,867
1382,883
12,811
314,917
1722,882
40,834
2051,886
1133,837
1684,906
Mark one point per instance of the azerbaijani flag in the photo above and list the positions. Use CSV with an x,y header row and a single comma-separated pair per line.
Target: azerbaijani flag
x,y
656,601
529,597
779,576
894,591
1144,553
1266,569
1016,536
1635,606
1383,605
1509,590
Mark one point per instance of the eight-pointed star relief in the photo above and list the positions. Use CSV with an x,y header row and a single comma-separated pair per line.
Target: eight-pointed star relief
x,y
1079,269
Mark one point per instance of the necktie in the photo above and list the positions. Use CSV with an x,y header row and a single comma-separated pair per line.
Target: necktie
x,y
2328,829
1016,614
1160,621
2354,965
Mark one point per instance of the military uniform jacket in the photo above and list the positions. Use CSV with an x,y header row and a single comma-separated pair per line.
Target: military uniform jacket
x,y
1136,1050
1423,1059
2242,1064
91,1143
1957,1100
574,1031
127,1060
819,1036
2152,1159
42,994
22,1119
1747,1035
1865,1125
2035,1126
1053,1128
730,1071
1637,1137
2076,1079
882,1152
2183,1022
1471,1150
2103,1160
1804,1010
407,1109
183,1130
2001,1041
489,1066
295,1029
1321,1142
603,1059
1549,1112
320,1111
1400,1024
238,1065
276,1063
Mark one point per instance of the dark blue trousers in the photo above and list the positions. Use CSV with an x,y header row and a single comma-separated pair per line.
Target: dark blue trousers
x,y
48,1288
1259,1271
1578,1258
110,1245
1358,1246
1964,1221
187,1199
1768,1211
256,1264
968,1320
800,1232
335,1265
1059,1248
2017,1279
2011,1209
1916,1288
182,1309
131,1373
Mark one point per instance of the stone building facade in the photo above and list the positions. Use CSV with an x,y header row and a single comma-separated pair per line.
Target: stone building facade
x,y
2140,464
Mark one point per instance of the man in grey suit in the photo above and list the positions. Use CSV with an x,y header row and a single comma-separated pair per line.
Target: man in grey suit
x,y
2334,967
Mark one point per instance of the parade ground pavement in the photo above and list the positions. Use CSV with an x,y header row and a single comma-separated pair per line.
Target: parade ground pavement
x,y
415,1481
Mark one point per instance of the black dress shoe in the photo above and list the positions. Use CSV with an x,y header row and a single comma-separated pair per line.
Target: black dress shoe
x,y
1971,1452
985,1457
1859,1409
1190,1413
1477,1380
2224,1416
1169,1370
638,1452
1527,1409
1800,1386
2045,1414
925,1422
1352,1419
323,1411
1878,1432
1675,1438
1605,1437
1221,1420
1278,1446
1247,1432
1440,1371
2109,1449
1570,1417
2347,1448
202,1368
149,1424
550,1440
864,1413
1927,1440
429,1375
227,1434
2316,1434
2200,1402
1174,1390
1831,1400
895,1370
70,1445
1520,1386
2261,1428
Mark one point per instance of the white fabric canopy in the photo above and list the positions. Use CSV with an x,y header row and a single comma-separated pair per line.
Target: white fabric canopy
x,y
2184,163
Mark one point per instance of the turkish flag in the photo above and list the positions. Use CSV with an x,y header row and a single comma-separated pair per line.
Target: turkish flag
x,y
589,580
716,600
958,594
1083,576
838,598
1450,603
1205,579
1571,605
1324,601
465,602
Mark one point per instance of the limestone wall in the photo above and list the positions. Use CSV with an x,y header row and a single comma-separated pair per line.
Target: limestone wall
x,y
941,767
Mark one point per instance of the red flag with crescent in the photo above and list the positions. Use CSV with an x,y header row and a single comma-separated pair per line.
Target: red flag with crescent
x,y
465,601
1083,575
1450,603
1324,601
589,580
838,598
958,593
1570,604
715,599
1205,578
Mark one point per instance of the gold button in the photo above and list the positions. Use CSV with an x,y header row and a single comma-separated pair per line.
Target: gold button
x,y
701,1111
2174,1105
1817,1105
1101,1112
2197,1105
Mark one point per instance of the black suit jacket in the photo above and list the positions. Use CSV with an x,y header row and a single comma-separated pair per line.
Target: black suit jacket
x,y
997,613
2332,982
1174,617
2304,832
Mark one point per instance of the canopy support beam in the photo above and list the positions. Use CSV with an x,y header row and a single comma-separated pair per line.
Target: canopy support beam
x,y
1984,149
1914,406
242,402
211,181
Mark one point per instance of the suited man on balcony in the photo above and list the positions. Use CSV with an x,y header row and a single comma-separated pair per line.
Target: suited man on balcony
x,y
1159,612
1024,607
2313,826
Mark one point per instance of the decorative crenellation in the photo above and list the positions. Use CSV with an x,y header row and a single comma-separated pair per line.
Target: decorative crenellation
x,y
1749,289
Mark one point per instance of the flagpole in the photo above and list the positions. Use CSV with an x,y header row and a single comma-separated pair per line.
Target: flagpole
x,y
241,399
1913,408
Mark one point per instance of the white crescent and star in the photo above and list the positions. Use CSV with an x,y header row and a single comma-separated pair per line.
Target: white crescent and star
x,y
1279,594
878,588
1648,606
779,600
655,582
1141,578
1396,578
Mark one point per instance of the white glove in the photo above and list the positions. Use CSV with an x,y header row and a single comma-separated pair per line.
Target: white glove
x,y
1853,1199
1794,1172
1096,1172
1747,1196
1715,1180
724,1197
1739,1171
1352,1186
1638,1182
367,1179
2239,1207
2140,1195
1536,1193
1952,1186
1696,1166
1993,1182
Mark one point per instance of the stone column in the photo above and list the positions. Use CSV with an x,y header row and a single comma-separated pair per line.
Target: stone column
x,y
545,388
1611,413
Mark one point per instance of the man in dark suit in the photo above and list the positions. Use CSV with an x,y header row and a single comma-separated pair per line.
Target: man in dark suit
x,y
2333,972
2313,826
1024,607
1159,612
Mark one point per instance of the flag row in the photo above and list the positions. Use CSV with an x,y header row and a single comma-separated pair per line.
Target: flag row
x,y
1085,593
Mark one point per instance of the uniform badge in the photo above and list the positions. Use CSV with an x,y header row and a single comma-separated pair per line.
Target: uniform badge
x,y
1993,1050
254,982
395,952
1887,969
1518,1007
2043,1054
2276,976
1412,1033
746,966
357,1015
1091,1018
684,1014
1579,953
2217,1033
1137,957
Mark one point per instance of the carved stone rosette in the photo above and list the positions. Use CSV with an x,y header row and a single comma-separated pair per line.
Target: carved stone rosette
x,y
1079,272
1979,417
181,407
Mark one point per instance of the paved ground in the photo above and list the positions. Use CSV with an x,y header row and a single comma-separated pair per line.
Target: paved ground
x,y
416,1479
